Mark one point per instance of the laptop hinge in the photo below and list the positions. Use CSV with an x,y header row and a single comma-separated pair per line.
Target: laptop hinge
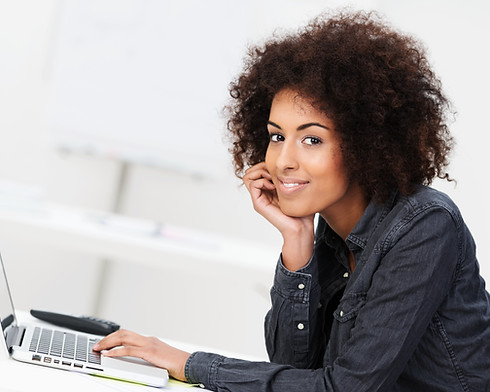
x,y
15,336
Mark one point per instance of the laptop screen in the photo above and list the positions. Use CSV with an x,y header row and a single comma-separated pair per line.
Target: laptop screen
x,y
7,313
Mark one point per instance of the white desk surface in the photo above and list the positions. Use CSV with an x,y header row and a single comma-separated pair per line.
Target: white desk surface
x,y
20,377
23,377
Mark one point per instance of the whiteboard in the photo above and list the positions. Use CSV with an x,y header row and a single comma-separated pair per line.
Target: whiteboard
x,y
146,81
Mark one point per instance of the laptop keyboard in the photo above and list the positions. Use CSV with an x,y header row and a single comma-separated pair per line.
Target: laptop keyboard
x,y
65,345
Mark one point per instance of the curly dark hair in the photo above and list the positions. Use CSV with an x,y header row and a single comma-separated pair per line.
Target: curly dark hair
x,y
374,82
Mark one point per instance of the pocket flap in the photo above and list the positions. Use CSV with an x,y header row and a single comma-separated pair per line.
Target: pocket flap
x,y
349,306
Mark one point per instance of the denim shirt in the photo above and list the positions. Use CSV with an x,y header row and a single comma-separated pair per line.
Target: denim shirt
x,y
414,314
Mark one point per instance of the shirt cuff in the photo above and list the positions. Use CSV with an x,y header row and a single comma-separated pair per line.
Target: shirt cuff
x,y
202,368
298,284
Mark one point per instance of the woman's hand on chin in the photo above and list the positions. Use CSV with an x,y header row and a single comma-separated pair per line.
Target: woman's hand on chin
x,y
297,232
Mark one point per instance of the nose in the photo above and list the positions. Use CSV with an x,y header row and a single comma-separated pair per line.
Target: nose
x,y
287,158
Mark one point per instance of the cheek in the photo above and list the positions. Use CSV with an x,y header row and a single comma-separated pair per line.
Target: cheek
x,y
337,164
269,159
333,173
341,169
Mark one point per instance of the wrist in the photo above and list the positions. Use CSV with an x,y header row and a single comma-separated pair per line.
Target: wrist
x,y
294,261
180,372
297,249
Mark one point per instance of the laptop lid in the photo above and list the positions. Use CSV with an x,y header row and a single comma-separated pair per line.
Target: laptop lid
x,y
7,314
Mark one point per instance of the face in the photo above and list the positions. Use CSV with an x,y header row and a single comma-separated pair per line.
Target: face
x,y
305,160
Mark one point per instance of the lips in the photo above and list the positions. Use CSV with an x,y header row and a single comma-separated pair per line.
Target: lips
x,y
291,185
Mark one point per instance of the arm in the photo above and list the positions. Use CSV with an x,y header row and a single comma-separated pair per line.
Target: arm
x,y
387,330
298,238
293,326
413,277
307,296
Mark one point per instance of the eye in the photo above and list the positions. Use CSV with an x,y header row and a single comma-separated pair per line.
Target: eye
x,y
312,140
276,137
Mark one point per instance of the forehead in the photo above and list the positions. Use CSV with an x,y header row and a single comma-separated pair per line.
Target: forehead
x,y
290,106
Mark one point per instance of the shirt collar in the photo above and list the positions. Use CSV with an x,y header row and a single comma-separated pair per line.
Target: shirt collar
x,y
370,219
359,236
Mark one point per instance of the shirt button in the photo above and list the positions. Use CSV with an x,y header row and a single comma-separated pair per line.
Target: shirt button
x,y
301,326
301,286
346,275
319,305
341,313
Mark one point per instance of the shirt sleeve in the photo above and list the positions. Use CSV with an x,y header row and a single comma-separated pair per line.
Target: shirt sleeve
x,y
218,373
295,318
387,330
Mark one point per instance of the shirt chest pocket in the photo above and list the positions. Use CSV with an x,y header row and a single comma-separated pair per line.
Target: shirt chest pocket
x,y
349,307
344,320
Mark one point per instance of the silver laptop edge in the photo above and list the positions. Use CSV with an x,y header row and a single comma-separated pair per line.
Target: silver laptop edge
x,y
17,340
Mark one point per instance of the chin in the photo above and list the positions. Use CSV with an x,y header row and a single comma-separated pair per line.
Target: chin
x,y
295,212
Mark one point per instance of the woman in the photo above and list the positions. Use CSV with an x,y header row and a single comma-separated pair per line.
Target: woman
x,y
346,120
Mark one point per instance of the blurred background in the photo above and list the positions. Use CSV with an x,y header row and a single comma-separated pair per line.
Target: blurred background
x,y
117,193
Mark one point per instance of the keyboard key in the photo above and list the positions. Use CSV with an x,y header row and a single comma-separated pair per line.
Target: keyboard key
x,y
45,341
82,345
93,357
57,344
35,339
69,346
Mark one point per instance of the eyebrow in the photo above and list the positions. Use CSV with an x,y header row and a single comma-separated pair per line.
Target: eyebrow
x,y
302,126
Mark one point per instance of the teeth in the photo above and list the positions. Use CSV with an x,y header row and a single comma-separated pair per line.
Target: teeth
x,y
290,185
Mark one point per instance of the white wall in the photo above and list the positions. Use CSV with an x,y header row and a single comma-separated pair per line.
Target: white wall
x,y
455,34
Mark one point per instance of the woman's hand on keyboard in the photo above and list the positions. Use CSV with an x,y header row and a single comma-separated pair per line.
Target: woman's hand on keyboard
x,y
126,343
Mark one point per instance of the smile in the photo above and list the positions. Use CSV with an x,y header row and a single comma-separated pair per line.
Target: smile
x,y
291,186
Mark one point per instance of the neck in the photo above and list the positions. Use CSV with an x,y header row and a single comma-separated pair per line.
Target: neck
x,y
343,218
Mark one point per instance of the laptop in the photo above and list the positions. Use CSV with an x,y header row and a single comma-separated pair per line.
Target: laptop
x,y
65,349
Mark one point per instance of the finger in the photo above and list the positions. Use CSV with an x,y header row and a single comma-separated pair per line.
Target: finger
x,y
154,351
256,175
264,198
257,171
262,192
262,184
258,180
121,337
123,351
146,352
260,165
